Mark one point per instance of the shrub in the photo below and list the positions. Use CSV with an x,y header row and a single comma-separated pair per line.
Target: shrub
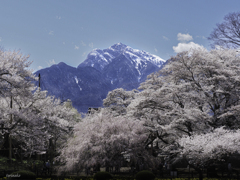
x,y
102,176
23,175
145,175
123,178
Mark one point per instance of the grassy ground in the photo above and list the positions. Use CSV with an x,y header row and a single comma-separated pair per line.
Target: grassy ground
x,y
184,173
91,178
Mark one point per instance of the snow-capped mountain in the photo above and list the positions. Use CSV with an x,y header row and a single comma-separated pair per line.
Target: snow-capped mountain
x,y
118,66
98,58
122,65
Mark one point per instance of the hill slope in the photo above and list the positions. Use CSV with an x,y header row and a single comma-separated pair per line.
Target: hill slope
x,y
119,66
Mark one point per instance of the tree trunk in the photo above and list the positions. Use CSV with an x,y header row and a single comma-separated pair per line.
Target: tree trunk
x,y
9,137
200,172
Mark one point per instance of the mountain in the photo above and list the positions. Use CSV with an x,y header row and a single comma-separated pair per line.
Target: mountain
x,y
100,58
118,66
123,66
86,87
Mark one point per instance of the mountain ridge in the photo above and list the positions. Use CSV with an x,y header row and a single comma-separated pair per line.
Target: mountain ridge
x,y
86,85
106,56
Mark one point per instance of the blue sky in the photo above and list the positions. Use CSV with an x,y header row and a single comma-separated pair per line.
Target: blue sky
x,y
53,31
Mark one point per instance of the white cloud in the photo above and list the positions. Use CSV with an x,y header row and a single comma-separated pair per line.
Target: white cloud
x,y
58,17
0,39
51,62
76,47
83,44
155,49
186,46
91,45
203,37
184,37
164,37
83,54
51,33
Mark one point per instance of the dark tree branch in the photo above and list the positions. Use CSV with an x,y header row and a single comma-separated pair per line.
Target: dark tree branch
x,y
227,34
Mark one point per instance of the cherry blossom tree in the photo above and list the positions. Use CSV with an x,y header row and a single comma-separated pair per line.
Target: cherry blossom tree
x,y
197,91
203,149
15,77
119,99
15,80
195,96
46,118
28,116
102,138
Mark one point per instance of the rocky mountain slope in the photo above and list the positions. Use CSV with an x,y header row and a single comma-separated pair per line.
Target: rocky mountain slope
x,y
118,66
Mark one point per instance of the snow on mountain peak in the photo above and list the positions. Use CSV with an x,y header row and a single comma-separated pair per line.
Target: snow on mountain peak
x,y
98,58
118,47
140,53
143,56
97,54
